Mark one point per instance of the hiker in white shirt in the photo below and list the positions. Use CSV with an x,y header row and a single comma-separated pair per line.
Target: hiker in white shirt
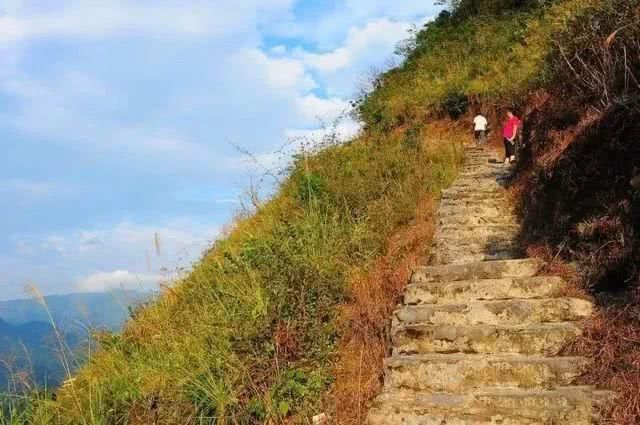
x,y
480,129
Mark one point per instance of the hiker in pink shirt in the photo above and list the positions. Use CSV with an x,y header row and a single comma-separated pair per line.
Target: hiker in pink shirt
x,y
510,133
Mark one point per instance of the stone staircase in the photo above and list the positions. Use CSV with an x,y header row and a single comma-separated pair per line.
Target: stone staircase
x,y
478,337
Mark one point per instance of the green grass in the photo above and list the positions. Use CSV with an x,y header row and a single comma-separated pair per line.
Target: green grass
x,y
493,60
249,335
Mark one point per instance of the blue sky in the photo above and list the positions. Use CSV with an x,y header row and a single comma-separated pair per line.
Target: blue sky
x,y
118,121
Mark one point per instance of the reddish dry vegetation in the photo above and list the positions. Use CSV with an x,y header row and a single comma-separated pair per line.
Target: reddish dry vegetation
x,y
364,322
580,214
612,338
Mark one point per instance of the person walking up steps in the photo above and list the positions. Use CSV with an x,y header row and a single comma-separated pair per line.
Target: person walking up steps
x,y
510,134
480,130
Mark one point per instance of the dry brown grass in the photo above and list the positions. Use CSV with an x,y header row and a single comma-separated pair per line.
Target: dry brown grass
x,y
612,339
555,266
364,323
573,199
375,292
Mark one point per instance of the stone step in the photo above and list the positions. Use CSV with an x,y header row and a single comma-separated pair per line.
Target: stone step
x,y
466,190
498,202
478,341
475,211
451,257
501,312
469,196
480,233
489,174
543,338
473,220
454,251
473,151
480,270
481,162
484,164
464,252
452,245
460,258
477,242
460,373
479,156
576,405
469,183
484,159
483,289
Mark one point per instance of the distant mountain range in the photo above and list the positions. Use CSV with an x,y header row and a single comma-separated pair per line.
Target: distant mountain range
x,y
105,310
29,348
29,353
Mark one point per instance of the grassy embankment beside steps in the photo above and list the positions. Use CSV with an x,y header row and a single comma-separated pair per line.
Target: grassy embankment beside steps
x,y
251,334
285,317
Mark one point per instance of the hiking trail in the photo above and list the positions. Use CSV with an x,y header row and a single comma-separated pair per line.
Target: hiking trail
x,y
478,338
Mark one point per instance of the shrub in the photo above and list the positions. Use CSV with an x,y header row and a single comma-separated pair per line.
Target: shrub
x,y
455,104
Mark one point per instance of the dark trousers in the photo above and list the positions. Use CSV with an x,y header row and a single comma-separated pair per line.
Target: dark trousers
x,y
509,148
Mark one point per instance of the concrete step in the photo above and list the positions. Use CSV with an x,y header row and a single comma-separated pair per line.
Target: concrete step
x,y
461,373
483,289
501,312
542,338
480,270
576,405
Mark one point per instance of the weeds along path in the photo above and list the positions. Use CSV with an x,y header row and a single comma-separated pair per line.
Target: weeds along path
x,y
479,336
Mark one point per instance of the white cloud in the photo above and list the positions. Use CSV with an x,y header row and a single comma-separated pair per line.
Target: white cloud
x,y
311,107
345,130
106,257
104,281
377,37
62,110
98,19
281,73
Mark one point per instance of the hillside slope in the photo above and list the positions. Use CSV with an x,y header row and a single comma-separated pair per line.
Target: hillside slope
x,y
262,328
